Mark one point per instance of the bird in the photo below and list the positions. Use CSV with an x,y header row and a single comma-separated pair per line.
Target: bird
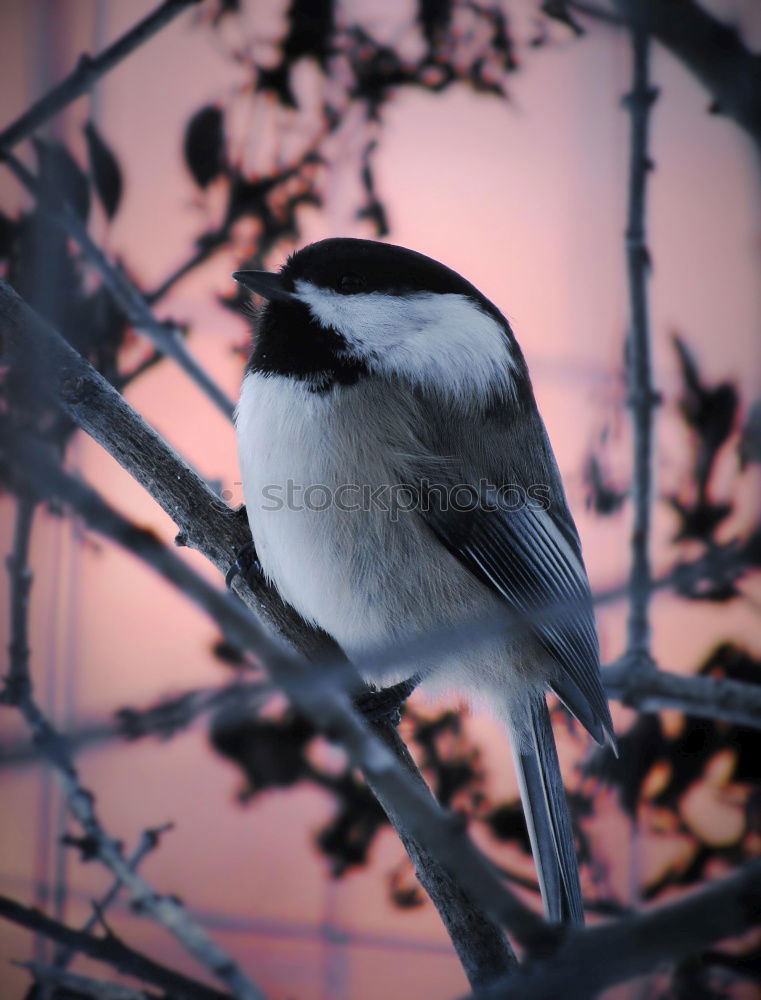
x,y
398,477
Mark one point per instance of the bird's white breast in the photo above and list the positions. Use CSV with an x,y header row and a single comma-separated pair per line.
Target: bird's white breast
x,y
360,575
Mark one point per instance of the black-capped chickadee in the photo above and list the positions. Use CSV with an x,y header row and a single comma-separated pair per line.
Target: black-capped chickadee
x,y
397,477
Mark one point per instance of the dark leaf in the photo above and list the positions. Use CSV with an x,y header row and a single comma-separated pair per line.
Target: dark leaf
x,y
310,31
558,11
105,170
348,838
434,16
507,823
603,498
204,145
501,41
404,888
269,751
61,177
700,520
728,660
708,410
376,213
481,82
276,81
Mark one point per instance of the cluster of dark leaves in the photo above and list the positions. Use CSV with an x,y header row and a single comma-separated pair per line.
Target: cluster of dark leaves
x,y
270,200
277,753
465,42
710,414
45,269
280,753
375,72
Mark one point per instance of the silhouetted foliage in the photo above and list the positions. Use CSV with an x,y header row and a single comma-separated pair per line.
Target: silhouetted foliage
x,y
603,498
204,145
105,169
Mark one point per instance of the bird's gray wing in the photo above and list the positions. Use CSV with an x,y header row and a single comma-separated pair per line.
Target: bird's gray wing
x,y
532,558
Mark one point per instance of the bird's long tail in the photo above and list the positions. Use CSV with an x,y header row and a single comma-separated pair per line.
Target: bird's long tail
x,y
546,810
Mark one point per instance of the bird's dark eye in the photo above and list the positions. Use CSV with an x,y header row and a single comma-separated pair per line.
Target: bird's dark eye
x,y
351,283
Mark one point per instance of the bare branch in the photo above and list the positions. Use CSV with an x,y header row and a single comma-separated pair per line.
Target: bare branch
x,y
149,841
111,950
88,71
163,719
642,397
599,957
717,698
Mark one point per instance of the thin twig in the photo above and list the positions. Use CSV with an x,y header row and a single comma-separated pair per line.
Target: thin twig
x,y
149,841
110,950
165,337
41,474
88,71
163,719
17,683
642,397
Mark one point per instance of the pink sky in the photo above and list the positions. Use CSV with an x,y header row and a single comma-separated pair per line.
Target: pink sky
x,y
527,200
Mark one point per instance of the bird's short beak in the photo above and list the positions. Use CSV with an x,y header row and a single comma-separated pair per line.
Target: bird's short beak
x,y
264,283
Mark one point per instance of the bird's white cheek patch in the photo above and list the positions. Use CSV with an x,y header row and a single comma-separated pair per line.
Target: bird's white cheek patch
x,y
445,342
